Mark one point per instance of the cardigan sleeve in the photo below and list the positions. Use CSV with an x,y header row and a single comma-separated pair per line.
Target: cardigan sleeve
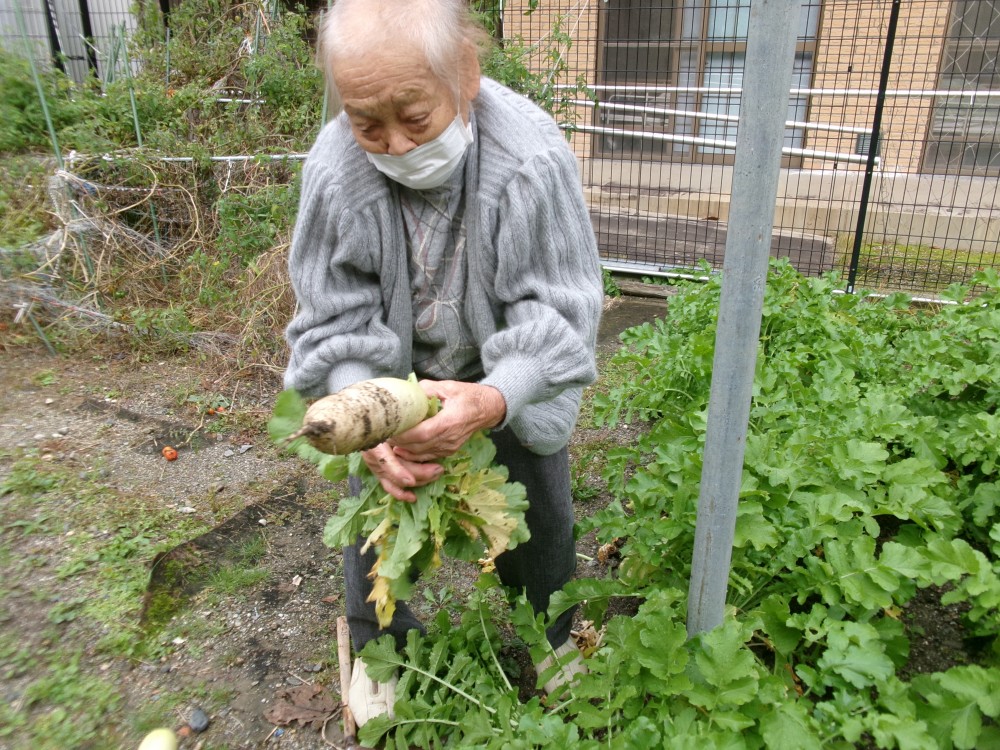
x,y
549,286
337,336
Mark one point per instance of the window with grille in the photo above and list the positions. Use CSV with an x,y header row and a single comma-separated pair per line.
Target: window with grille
x,y
963,134
671,71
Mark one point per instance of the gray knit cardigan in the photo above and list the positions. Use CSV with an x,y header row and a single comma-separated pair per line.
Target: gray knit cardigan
x,y
534,290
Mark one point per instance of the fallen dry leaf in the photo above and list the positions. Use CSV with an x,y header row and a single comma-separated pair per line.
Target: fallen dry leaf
x,y
610,551
587,638
309,705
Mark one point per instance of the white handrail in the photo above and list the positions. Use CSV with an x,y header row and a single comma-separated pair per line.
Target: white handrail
x,y
720,144
903,93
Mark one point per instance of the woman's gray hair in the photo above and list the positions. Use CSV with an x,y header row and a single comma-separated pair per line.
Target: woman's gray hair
x,y
444,30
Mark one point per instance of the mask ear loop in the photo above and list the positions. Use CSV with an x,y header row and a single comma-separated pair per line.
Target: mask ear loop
x,y
458,95
458,100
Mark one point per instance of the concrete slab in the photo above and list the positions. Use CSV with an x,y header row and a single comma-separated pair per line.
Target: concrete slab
x,y
626,312
679,243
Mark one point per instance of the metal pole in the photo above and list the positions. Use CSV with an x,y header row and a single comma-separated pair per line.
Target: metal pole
x,y
873,144
88,35
763,110
39,89
53,29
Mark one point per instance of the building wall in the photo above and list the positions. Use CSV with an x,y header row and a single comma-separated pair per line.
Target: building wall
x,y
579,21
849,56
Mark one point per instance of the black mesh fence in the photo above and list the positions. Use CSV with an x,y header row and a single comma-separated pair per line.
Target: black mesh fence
x,y
912,208
77,36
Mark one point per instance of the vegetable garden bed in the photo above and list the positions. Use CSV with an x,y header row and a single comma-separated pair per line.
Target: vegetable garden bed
x,y
870,510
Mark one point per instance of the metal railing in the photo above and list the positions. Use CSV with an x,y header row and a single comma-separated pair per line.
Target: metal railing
x,y
711,142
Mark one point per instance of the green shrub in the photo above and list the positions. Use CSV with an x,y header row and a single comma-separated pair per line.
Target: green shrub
x,y
22,120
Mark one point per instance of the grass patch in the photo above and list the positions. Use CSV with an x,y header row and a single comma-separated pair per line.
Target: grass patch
x,y
105,543
240,571
87,550
916,269
232,579
188,572
64,708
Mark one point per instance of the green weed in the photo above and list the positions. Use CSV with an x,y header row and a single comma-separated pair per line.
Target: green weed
x,y
587,466
15,659
30,477
22,123
916,268
44,378
165,330
532,69
65,707
613,374
28,527
611,288
24,213
208,402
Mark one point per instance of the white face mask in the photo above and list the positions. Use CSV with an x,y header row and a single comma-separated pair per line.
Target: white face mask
x,y
430,164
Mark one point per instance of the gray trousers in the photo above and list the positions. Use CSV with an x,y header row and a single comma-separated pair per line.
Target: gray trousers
x,y
540,566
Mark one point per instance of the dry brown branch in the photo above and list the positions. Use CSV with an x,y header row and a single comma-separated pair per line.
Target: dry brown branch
x,y
140,243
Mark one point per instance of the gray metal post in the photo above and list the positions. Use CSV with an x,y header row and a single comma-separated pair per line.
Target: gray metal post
x,y
763,108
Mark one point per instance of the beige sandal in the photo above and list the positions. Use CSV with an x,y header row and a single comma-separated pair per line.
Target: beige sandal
x,y
368,698
569,668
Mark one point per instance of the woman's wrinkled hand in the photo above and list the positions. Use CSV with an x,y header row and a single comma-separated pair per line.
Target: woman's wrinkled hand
x,y
466,408
397,475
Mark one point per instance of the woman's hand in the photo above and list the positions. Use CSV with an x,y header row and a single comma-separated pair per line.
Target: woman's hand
x,y
466,408
396,474
408,459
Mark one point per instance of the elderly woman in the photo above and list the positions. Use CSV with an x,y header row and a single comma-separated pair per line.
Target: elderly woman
x,y
442,230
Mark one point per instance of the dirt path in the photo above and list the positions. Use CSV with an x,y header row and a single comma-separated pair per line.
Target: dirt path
x,y
96,430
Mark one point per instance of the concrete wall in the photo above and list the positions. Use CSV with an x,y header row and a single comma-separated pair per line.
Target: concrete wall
x,y
954,212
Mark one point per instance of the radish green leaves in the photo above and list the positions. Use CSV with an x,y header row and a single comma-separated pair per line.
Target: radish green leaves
x,y
471,512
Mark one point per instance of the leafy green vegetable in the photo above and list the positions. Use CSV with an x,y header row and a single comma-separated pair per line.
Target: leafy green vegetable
x,y
870,485
471,512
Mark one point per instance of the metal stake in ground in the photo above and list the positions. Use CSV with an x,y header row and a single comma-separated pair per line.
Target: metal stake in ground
x,y
763,108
